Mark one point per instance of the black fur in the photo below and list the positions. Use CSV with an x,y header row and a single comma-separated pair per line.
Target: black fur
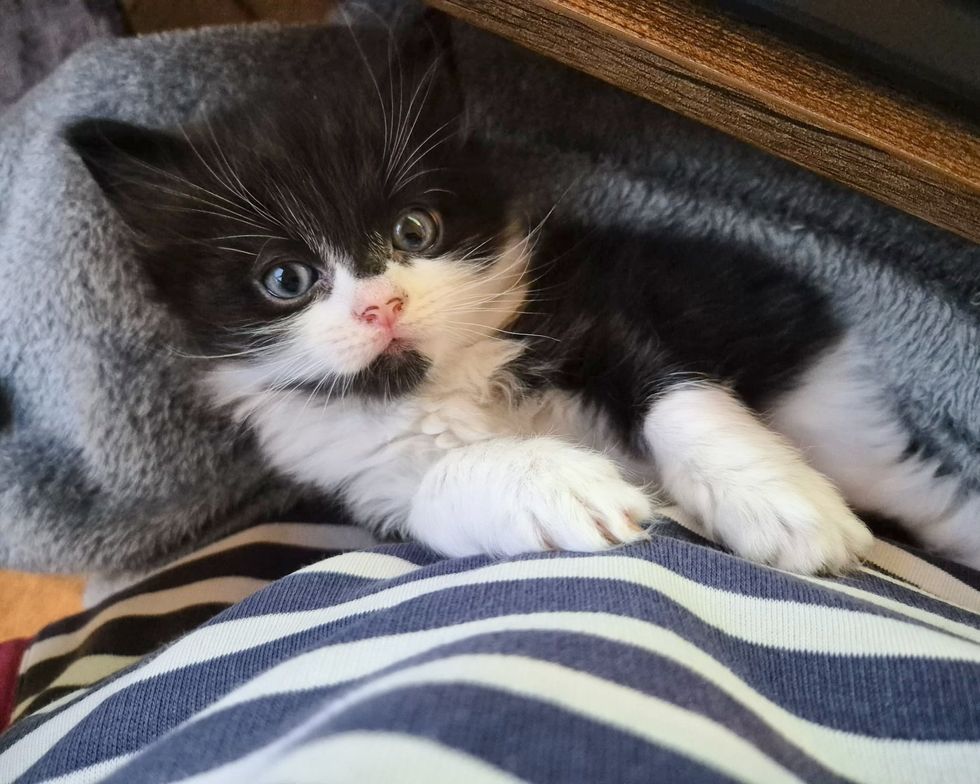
x,y
388,376
212,207
622,316
637,313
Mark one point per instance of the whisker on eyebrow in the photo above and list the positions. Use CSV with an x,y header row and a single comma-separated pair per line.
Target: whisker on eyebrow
x,y
387,117
515,334
421,150
247,236
405,134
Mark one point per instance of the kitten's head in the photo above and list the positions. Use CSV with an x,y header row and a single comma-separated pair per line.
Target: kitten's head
x,y
346,239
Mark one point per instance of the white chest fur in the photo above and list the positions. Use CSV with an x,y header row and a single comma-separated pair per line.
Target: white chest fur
x,y
377,453
468,465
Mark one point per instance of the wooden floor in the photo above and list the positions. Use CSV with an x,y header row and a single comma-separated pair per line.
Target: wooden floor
x,y
29,602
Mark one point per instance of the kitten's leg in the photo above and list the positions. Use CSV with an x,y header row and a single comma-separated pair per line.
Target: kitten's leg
x,y
751,488
505,496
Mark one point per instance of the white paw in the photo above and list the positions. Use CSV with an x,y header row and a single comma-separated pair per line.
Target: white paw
x,y
509,496
751,489
792,518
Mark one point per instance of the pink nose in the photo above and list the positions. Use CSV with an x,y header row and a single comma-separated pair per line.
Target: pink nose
x,y
384,314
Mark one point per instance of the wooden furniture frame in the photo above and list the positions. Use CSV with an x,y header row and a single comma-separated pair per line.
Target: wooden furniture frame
x,y
736,78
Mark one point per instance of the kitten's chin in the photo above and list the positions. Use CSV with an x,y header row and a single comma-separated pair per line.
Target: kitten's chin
x,y
390,375
399,370
398,346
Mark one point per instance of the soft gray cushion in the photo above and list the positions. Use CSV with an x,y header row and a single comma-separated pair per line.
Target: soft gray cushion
x,y
109,460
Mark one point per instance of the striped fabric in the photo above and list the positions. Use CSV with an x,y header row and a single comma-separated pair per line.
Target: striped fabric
x,y
669,660
80,650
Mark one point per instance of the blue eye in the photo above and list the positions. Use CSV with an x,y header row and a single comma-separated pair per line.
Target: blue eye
x,y
289,279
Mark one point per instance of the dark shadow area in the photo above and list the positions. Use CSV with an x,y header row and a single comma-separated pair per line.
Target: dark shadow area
x,y
929,49
6,408
36,36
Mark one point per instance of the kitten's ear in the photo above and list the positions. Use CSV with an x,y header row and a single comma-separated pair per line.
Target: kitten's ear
x,y
425,53
127,161
426,36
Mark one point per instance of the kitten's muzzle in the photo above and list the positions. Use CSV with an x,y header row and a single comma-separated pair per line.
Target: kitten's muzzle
x,y
383,314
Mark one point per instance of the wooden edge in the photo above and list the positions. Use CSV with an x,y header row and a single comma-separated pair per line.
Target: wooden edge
x,y
785,78
740,81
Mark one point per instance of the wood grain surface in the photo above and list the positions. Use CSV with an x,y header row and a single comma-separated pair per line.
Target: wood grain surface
x,y
740,80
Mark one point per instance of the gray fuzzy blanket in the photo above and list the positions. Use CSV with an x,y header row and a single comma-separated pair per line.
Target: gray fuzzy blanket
x,y
37,36
109,461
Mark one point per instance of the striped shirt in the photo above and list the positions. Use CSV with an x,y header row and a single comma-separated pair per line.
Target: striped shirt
x,y
669,660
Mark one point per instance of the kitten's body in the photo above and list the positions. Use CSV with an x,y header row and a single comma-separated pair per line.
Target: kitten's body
x,y
466,419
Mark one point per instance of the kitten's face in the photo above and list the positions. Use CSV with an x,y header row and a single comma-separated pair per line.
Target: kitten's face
x,y
322,247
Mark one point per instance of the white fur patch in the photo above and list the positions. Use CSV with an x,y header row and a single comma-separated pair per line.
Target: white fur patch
x,y
838,418
456,465
749,487
376,453
453,304
506,496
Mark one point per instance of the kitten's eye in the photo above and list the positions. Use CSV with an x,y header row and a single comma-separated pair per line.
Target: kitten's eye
x,y
289,279
415,230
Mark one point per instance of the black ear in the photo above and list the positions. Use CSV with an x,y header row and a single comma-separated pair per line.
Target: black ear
x,y
424,56
425,37
127,161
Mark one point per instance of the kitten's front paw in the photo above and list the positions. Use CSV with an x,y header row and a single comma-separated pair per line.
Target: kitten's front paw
x,y
510,496
795,520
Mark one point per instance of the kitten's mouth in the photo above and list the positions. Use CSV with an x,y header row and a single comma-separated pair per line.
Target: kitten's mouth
x,y
397,370
398,345
390,375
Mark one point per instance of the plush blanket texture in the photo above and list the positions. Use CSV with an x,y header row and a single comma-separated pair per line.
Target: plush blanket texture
x,y
110,461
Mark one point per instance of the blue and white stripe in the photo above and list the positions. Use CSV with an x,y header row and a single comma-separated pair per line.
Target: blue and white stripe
x,y
664,661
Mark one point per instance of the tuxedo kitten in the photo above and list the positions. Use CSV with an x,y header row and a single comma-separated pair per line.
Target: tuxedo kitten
x,y
363,290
